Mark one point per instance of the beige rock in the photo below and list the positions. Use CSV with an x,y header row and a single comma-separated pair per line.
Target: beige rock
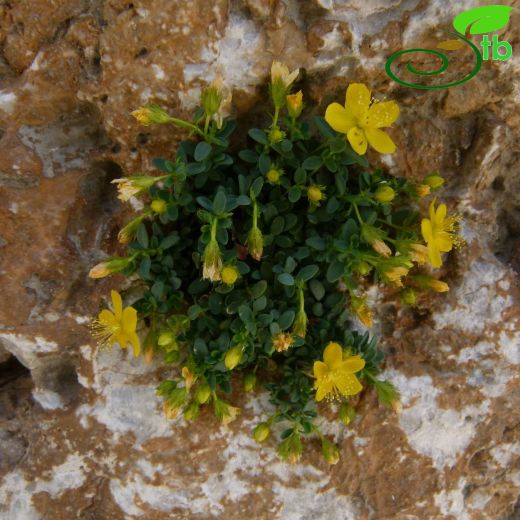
x,y
85,436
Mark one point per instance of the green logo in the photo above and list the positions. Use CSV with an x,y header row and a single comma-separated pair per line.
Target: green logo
x,y
480,20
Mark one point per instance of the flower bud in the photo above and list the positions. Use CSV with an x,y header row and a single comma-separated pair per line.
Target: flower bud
x,y
346,414
150,114
212,261
315,194
249,382
384,194
273,175
224,412
233,357
192,411
229,274
166,338
114,265
428,282
159,206
202,393
291,448
422,190
362,310
212,97
294,103
276,135
261,432
408,296
362,268
300,323
255,243
434,181
330,451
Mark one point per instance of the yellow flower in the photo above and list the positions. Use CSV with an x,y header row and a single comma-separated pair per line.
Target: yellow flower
x,y
294,104
439,233
361,119
422,190
229,274
380,247
335,374
428,282
283,341
118,326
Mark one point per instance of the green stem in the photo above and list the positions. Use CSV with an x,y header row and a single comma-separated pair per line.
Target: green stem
x,y
206,125
185,124
358,215
275,117
214,224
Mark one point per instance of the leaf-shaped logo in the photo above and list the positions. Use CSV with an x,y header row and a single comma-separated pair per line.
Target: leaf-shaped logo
x,y
480,20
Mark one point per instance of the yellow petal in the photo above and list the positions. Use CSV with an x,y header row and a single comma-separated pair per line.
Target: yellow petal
x,y
353,364
339,118
107,318
333,355
358,100
382,114
379,140
122,339
129,320
348,385
320,369
357,140
434,254
117,303
324,388
443,241
440,215
134,340
426,229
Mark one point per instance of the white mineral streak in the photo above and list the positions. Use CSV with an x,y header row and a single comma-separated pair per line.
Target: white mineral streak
x,y
17,492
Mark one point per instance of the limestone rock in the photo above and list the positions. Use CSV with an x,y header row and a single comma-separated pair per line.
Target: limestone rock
x,y
82,434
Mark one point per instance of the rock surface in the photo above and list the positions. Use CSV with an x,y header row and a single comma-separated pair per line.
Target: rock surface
x,y
82,434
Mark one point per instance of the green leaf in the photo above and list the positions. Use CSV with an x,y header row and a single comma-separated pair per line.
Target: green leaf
x,y
286,279
317,289
294,194
260,304
264,163
205,203
277,225
258,289
335,271
195,168
202,150
194,312
300,176
286,319
169,241
248,156
257,185
219,202
144,268
158,289
312,163
308,272
316,243
484,19
323,127
142,236
246,314
258,135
